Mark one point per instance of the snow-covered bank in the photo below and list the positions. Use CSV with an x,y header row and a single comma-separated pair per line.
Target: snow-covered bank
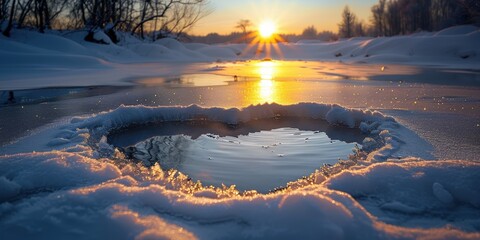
x,y
85,189
457,46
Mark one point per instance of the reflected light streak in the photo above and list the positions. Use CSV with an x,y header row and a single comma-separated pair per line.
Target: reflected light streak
x,y
266,92
266,85
266,70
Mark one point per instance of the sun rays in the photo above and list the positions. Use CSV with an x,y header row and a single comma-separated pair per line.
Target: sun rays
x,y
265,39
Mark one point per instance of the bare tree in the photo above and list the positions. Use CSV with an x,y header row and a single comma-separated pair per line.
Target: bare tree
x,y
359,29
468,12
4,9
178,15
346,27
392,17
45,12
135,16
243,25
310,33
182,18
8,29
378,18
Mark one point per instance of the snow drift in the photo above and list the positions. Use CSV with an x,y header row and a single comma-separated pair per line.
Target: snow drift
x,y
450,46
85,190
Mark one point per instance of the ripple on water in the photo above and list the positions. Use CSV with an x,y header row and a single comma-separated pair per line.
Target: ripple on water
x,y
251,156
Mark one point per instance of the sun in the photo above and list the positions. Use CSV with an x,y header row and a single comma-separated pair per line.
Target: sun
x,y
266,40
267,29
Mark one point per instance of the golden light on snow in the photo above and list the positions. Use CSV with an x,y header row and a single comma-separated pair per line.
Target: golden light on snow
x,y
266,29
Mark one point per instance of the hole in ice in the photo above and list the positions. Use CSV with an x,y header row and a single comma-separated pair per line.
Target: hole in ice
x,y
257,155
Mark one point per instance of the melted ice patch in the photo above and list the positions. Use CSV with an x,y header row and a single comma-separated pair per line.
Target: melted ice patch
x,y
262,160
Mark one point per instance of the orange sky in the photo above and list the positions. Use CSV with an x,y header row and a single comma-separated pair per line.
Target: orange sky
x,y
291,16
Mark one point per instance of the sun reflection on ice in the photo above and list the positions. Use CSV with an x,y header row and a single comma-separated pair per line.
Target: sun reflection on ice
x,y
266,91
266,70
266,85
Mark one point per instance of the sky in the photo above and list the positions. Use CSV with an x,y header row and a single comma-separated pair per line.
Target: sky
x,y
291,16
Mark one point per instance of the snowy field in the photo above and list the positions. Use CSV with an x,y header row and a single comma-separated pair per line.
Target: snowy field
x,y
414,99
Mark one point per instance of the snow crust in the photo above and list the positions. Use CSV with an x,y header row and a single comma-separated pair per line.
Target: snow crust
x,y
384,128
85,187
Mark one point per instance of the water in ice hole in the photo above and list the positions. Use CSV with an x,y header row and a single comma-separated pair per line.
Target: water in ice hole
x,y
260,154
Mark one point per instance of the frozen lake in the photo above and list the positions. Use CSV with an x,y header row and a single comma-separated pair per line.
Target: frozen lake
x,y
440,105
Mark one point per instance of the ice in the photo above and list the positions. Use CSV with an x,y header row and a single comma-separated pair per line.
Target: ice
x,y
165,150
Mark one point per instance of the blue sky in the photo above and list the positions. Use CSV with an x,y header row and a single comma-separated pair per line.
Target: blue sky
x,y
290,15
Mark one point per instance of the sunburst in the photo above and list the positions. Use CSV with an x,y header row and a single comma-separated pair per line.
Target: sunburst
x,y
265,38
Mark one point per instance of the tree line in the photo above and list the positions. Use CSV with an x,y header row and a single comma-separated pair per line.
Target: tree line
x,y
247,35
398,17
160,18
145,18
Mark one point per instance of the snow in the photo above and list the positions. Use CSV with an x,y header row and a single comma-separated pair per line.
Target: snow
x,y
447,47
218,52
99,35
410,188
340,116
101,197
66,181
442,194
39,201
460,30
